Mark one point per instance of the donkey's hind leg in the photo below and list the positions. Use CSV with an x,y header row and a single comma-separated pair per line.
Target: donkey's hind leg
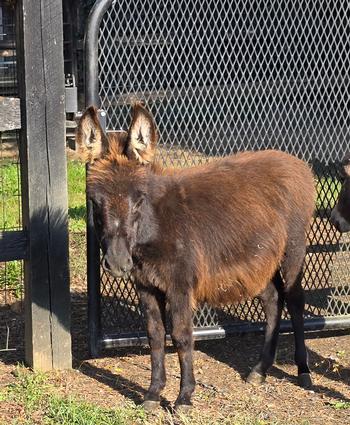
x,y
294,293
295,303
272,299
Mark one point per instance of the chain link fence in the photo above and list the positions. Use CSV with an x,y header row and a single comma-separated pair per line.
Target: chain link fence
x,y
222,77
8,79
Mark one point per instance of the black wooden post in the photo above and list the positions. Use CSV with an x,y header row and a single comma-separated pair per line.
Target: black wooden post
x,y
44,183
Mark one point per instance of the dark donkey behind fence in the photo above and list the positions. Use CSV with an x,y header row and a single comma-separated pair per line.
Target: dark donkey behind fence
x,y
340,216
218,233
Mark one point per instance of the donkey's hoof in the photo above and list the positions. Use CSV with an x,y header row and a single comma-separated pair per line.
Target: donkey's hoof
x,y
304,380
183,409
150,405
255,378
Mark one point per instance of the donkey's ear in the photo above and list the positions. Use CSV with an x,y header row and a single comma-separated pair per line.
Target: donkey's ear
x,y
143,135
90,139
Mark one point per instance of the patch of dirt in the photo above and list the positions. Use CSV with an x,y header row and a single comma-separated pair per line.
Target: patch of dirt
x,y
220,369
9,149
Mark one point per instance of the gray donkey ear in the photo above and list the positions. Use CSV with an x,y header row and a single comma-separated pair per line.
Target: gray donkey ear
x,y
143,135
90,139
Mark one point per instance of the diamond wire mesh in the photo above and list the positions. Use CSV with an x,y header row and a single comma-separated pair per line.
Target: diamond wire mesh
x,y
222,77
11,273
8,76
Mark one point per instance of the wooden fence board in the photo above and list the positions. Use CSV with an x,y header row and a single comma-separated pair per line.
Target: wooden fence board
x,y
45,206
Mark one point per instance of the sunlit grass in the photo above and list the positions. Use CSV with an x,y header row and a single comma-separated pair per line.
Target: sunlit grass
x,y
10,201
328,190
38,400
11,278
76,196
10,215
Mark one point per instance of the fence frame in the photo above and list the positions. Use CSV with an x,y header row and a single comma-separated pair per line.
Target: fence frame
x,y
92,98
97,340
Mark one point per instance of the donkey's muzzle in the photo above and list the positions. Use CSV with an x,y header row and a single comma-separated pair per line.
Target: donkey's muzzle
x,y
117,268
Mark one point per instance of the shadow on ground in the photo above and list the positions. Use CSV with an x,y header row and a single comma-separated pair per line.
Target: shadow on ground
x,y
238,352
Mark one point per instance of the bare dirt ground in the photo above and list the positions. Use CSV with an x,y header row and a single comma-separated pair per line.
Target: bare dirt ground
x,y
220,368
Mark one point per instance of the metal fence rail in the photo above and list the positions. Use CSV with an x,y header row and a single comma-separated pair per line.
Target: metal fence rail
x,y
222,77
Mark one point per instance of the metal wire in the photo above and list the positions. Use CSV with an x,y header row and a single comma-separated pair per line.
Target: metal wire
x,y
8,74
222,77
11,273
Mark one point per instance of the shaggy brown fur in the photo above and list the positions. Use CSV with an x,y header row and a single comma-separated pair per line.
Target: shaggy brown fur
x,y
219,233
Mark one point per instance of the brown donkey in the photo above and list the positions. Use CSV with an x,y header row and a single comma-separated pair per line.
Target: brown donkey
x,y
218,233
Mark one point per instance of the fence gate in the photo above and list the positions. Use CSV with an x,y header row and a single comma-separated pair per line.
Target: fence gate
x,y
222,77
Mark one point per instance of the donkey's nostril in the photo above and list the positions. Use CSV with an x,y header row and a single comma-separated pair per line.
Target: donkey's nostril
x,y
127,266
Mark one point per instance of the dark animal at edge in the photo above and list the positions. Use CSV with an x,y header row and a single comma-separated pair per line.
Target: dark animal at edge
x,y
340,216
223,232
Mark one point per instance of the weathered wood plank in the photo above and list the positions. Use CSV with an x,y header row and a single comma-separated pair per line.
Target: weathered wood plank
x,y
13,246
10,114
45,206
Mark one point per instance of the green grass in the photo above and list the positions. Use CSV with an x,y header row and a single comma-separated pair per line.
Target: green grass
x,y
9,196
36,400
10,214
76,196
327,192
340,405
10,210
11,277
68,411
39,402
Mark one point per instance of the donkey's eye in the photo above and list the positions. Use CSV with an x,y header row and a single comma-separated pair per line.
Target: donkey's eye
x,y
95,205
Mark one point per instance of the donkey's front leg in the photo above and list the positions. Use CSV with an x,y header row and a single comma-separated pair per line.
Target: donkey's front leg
x,y
181,318
154,306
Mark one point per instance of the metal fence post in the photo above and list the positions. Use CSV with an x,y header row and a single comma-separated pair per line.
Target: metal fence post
x,y
93,251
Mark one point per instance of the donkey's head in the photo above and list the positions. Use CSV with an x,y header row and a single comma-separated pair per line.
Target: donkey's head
x,y
118,183
340,216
